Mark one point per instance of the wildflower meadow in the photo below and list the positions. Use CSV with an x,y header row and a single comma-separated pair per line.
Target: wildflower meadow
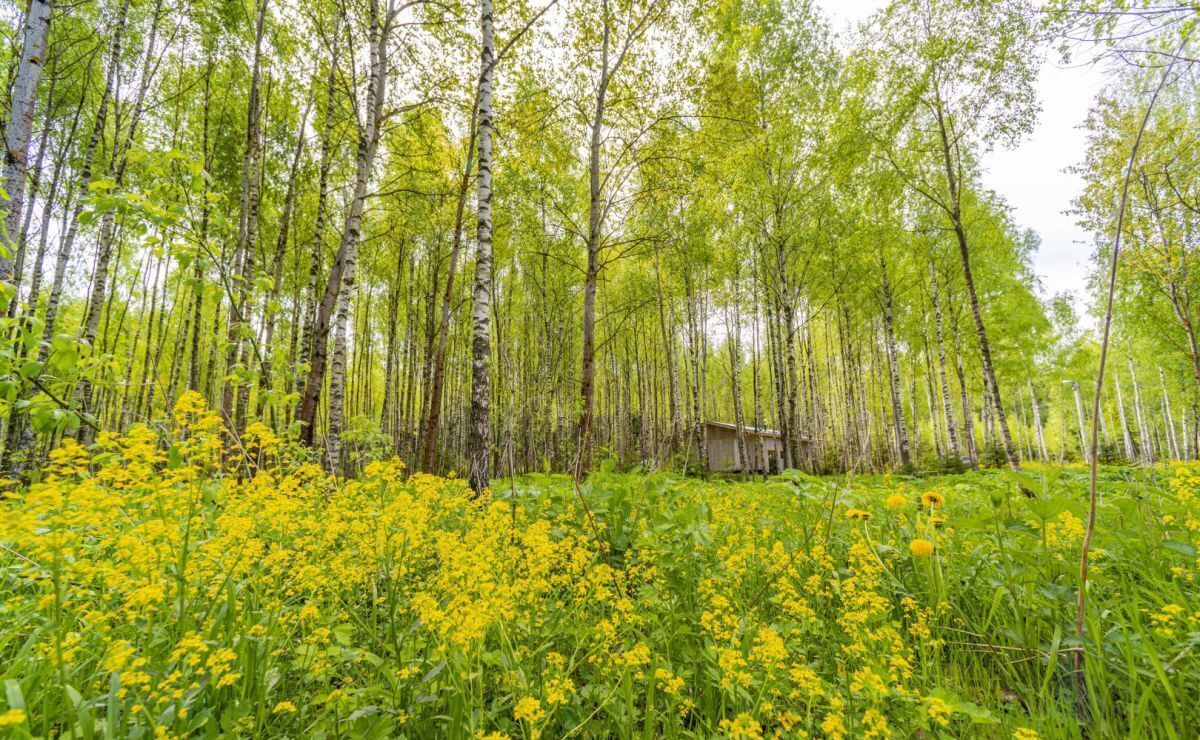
x,y
148,594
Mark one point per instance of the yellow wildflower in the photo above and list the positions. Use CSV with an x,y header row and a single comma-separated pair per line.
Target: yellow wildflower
x,y
742,727
921,548
12,717
528,710
938,710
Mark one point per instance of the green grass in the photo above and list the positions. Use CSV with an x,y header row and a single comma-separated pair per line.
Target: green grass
x,y
146,593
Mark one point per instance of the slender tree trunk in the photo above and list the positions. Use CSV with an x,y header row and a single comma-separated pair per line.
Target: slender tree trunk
x,y
266,379
20,124
236,389
25,439
388,415
1168,422
438,366
1143,428
341,275
198,287
787,320
985,349
889,337
35,280
337,375
319,224
587,375
676,419
85,177
695,341
969,441
1037,422
1083,448
35,180
479,442
1126,438
951,426
734,343
107,235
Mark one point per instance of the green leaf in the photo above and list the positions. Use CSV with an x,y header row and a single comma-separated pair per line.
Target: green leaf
x,y
1183,548
12,692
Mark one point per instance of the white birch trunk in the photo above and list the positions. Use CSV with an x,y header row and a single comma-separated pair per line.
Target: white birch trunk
x,y
1037,423
1083,445
341,276
480,437
20,123
1172,442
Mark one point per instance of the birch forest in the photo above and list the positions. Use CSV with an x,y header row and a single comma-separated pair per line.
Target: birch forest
x,y
559,252
631,218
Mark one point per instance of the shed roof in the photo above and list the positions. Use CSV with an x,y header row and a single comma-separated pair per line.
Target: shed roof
x,y
753,430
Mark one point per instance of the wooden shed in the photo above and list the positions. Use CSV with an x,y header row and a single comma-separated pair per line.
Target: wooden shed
x,y
764,448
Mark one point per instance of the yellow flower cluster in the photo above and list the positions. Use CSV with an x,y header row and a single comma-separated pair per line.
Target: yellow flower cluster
x,y
179,599
1185,484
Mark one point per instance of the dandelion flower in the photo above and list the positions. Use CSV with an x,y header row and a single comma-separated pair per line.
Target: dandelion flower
x,y
895,501
932,499
921,548
1024,733
858,514
285,707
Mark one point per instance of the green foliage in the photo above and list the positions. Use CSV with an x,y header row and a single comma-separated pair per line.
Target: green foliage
x,y
634,605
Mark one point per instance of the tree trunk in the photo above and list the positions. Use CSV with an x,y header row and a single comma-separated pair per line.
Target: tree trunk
x,y
1037,423
1168,422
266,379
1143,428
318,238
479,441
85,177
676,419
20,124
35,180
587,375
236,389
438,367
1126,438
388,415
889,337
985,350
107,235
734,342
951,425
341,273
1083,447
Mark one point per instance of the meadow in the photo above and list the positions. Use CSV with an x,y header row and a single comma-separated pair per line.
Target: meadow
x,y
146,593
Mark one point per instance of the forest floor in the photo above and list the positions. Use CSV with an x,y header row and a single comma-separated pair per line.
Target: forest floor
x,y
146,593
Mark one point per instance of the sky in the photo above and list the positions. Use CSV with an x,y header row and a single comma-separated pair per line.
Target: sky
x,y
1032,178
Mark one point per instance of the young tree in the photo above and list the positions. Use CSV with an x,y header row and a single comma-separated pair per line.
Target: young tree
x,y
341,274
479,442
20,123
960,74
